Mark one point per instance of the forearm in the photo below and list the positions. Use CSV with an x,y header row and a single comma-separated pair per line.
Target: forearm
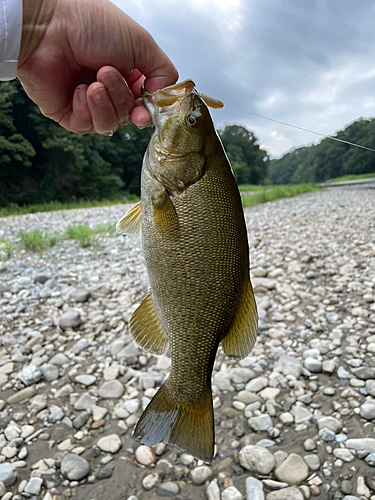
x,y
37,14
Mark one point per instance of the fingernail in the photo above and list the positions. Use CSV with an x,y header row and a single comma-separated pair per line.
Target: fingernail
x,y
82,94
100,97
112,81
143,125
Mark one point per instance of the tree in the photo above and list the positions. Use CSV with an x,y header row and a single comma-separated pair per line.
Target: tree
x,y
249,162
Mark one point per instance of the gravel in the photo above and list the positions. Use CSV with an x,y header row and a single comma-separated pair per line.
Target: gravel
x,y
294,420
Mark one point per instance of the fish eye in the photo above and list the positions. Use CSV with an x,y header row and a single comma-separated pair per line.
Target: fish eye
x,y
192,121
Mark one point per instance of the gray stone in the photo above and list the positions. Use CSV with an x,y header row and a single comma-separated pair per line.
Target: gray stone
x,y
201,474
343,454
222,382
312,461
3,489
342,373
33,486
8,474
110,443
367,410
326,434
84,402
285,494
293,470
111,389
30,374
151,480
255,385
231,493
71,319
80,346
301,414
49,372
241,375
254,489
364,373
129,351
81,419
313,365
331,423
85,380
168,489
309,444
74,467
41,278
213,491
256,459
261,422
370,387
59,359
292,368
366,445
329,366
21,395
80,295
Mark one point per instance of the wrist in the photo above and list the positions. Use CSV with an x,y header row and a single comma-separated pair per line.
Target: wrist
x,y
37,15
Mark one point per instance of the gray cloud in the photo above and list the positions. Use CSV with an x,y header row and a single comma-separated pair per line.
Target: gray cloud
x,y
311,64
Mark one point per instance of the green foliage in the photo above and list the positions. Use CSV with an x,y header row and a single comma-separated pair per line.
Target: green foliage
x,y
352,177
328,159
249,162
85,234
15,209
37,240
42,163
277,192
6,248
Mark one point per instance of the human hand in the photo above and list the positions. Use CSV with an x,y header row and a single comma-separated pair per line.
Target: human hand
x,y
83,62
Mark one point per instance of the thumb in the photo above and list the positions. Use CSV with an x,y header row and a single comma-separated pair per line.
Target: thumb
x,y
152,62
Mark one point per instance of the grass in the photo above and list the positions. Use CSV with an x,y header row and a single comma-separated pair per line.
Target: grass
x,y
271,193
37,240
85,234
6,247
14,209
351,177
245,188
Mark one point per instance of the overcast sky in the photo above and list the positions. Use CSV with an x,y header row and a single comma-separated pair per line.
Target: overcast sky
x,y
310,63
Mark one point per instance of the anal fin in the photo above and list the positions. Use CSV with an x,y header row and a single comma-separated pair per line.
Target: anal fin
x,y
146,328
130,223
240,339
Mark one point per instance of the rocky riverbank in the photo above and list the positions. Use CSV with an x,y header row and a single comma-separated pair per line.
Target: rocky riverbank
x,y
294,420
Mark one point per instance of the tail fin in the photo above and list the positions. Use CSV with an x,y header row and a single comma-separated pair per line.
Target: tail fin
x,y
168,421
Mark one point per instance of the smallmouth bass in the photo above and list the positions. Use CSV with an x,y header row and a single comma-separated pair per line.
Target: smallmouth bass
x,y
197,257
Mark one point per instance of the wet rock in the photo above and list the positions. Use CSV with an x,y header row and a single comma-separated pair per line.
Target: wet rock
x,y
74,467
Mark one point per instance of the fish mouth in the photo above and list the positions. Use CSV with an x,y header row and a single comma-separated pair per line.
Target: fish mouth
x,y
167,100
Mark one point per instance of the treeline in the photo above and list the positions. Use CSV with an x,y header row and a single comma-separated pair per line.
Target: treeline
x,y
328,159
41,162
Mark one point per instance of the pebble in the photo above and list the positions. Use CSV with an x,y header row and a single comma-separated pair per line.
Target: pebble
x,y
145,455
231,493
110,444
308,386
33,486
201,474
111,389
254,489
8,474
256,459
285,494
71,319
74,467
293,470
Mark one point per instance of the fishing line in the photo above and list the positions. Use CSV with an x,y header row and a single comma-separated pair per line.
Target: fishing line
x,y
301,128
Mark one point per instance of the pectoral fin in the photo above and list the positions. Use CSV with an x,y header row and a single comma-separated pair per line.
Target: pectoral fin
x,y
131,221
240,339
146,329
165,215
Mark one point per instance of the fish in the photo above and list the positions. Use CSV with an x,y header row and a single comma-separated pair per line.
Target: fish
x,y
196,252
